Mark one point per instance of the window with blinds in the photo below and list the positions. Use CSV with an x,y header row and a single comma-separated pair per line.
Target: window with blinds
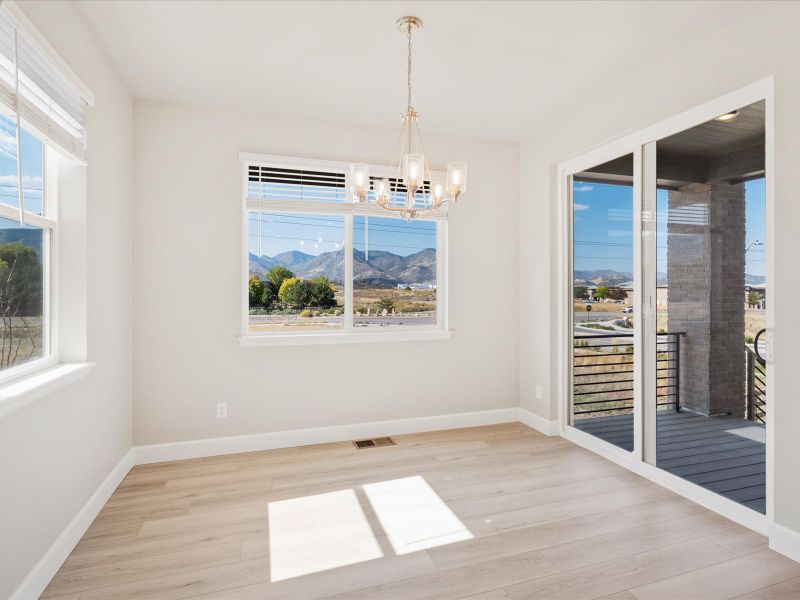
x,y
276,183
318,262
42,119
50,103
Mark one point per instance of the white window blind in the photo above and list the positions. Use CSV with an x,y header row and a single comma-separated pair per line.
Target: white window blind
x,y
281,183
50,103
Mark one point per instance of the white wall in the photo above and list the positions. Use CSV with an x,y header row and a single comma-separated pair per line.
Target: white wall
x,y
187,272
56,451
749,42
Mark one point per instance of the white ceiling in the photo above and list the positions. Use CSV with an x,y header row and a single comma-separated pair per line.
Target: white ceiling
x,y
492,70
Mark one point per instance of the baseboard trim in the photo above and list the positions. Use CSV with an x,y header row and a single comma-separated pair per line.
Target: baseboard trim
x,y
319,435
39,577
538,423
784,540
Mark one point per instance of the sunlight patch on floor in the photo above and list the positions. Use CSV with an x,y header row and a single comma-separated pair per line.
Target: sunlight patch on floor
x,y
756,434
317,533
413,516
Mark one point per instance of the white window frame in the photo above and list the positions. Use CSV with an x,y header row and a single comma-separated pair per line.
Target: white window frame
x,y
48,222
348,333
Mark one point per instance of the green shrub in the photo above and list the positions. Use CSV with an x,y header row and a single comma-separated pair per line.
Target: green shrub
x,y
295,293
255,289
321,292
386,304
305,313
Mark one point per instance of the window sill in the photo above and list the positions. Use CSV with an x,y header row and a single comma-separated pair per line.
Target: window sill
x,y
311,339
19,392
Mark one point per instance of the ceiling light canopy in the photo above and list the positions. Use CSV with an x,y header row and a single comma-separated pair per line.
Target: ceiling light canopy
x,y
412,191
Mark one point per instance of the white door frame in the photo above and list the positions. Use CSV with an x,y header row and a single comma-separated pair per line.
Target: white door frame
x,y
635,143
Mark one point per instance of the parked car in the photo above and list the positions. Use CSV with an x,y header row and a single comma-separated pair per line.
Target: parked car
x,y
627,309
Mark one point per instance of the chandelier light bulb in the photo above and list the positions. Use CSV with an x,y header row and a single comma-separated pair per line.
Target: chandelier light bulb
x,y
413,169
359,178
456,179
437,190
381,188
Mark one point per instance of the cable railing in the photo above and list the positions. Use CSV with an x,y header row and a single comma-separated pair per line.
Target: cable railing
x,y
756,390
603,373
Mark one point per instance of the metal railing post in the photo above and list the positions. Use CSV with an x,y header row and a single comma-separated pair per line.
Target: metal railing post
x,y
677,338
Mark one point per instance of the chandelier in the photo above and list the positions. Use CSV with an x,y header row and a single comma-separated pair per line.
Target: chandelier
x,y
413,191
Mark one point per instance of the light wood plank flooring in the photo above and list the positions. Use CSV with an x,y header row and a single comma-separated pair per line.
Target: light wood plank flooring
x,y
515,515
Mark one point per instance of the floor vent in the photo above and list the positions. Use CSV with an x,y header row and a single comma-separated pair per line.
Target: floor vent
x,y
374,443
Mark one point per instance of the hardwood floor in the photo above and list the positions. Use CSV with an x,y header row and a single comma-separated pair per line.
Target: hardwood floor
x,y
512,515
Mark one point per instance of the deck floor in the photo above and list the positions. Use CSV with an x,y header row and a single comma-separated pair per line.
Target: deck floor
x,y
726,455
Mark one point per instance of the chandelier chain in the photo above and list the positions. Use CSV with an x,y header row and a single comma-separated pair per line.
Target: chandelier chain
x,y
408,35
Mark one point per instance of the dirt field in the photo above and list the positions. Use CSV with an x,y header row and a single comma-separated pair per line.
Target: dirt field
x,y
404,300
412,307
600,307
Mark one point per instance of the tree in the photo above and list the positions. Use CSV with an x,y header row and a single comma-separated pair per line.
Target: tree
x,y
256,290
322,292
20,281
277,275
268,296
601,292
20,297
617,294
753,298
295,293
579,292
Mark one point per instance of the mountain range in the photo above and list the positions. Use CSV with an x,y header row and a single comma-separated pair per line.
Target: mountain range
x,y
383,269
613,278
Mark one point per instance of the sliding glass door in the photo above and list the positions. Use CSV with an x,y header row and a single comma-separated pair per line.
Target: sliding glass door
x,y
665,352
705,412
603,332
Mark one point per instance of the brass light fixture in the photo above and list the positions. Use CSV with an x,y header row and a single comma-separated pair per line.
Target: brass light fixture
x,y
412,191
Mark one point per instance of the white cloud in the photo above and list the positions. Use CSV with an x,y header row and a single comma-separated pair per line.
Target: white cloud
x,y
31,182
579,206
584,188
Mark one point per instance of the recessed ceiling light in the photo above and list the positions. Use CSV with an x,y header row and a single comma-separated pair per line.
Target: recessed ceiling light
x,y
728,116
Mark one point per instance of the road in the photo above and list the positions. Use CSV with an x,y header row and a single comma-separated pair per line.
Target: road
x,y
331,320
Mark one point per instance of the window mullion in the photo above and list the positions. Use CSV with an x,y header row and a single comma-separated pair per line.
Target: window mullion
x,y
348,273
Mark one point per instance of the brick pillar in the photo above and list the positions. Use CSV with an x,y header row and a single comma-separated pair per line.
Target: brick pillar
x,y
705,272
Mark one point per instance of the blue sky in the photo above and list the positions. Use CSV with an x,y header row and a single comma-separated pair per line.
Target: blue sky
x,y
315,234
32,162
603,229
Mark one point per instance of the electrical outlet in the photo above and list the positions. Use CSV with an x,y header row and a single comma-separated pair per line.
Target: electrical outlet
x,y
538,392
222,410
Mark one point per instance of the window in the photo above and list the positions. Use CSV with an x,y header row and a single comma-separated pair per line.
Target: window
x,y
319,263
394,272
296,266
24,253
42,119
